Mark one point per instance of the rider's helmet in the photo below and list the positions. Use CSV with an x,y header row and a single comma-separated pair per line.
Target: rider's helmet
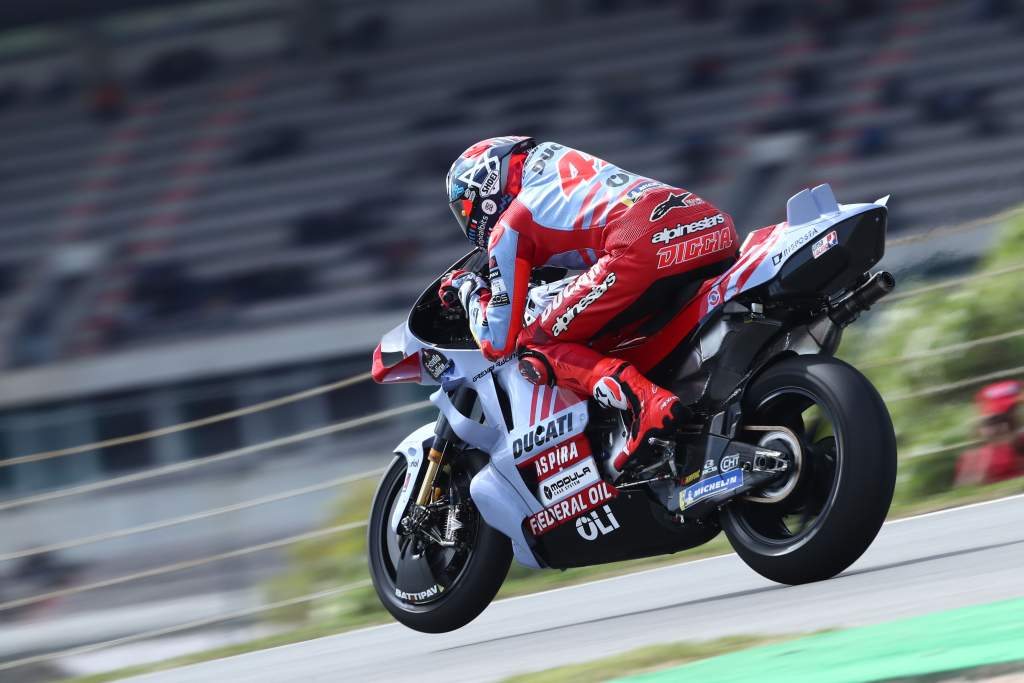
x,y
478,187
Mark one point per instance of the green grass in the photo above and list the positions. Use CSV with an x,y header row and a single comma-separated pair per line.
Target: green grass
x,y
643,659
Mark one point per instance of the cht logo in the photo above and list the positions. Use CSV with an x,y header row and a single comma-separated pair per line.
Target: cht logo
x,y
589,527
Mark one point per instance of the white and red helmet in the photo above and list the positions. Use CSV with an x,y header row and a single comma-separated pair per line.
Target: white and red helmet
x,y
478,184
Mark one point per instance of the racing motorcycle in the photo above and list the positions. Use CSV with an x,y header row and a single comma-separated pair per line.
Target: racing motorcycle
x,y
791,451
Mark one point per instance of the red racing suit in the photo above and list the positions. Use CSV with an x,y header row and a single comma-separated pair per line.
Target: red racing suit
x,y
577,211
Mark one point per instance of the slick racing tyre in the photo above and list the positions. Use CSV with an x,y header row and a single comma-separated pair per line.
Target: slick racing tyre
x,y
832,501
440,575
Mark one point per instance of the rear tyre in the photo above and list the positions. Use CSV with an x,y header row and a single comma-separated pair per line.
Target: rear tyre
x,y
845,481
468,576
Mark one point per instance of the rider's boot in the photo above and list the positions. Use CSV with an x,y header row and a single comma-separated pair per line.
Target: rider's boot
x,y
650,411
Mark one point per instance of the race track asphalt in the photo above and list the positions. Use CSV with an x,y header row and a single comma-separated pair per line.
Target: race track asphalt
x,y
955,558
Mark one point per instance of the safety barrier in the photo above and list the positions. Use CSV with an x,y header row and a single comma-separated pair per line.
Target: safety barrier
x,y
213,459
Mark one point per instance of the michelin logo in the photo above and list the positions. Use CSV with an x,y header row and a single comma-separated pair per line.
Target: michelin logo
x,y
708,487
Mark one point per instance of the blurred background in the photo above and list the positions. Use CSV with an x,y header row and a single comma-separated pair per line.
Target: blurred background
x,y
206,205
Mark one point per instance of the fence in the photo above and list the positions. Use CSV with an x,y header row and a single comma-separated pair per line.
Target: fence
x,y
338,482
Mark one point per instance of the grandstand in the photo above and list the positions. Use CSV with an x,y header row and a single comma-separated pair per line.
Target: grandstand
x,y
166,224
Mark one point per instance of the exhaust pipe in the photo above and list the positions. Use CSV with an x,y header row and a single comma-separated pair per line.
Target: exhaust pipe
x,y
847,309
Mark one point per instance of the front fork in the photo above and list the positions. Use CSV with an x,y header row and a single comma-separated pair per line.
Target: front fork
x,y
444,438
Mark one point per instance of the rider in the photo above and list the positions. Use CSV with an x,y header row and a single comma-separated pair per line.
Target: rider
x,y
533,204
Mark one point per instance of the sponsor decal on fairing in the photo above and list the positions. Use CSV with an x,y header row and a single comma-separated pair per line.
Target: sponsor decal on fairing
x,y
596,524
494,366
557,428
567,481
794,244
824,244
570,508
554,459
729,462
708,487
435,363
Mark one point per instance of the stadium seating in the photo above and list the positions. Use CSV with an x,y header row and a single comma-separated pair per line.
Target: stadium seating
x,y
275,189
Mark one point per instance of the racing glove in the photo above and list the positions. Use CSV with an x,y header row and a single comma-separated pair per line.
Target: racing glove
x,y
459,285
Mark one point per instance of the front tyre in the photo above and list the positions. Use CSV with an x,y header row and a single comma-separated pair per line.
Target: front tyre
x,y
844,482
441,576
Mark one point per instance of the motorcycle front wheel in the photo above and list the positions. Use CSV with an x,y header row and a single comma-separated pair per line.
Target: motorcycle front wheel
x,y
443,575
828,509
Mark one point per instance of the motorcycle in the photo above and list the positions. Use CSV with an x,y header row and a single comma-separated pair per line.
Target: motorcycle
x,y
791,451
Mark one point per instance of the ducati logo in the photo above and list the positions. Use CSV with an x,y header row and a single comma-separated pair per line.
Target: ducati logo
x,y
589,527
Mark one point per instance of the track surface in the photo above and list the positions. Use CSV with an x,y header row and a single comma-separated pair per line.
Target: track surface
x,y
955,558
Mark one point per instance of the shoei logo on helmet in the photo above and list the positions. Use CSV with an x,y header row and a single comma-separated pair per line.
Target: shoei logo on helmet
x,y
483,175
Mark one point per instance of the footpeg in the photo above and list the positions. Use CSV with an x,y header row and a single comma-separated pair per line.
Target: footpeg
x,y
668,453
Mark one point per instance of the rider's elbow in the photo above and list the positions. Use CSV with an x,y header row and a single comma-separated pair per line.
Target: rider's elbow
x,y
491,353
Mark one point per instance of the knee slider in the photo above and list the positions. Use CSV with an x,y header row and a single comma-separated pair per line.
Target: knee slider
x,y
536,369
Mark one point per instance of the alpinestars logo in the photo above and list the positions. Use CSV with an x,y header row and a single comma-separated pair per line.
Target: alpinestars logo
x,y
669,234
675,201
563,321
608,392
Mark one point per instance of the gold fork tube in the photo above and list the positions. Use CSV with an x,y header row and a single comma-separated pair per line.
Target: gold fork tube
x,y
427,487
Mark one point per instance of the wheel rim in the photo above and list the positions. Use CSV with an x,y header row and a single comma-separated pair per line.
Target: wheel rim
x,y
446,565
792,521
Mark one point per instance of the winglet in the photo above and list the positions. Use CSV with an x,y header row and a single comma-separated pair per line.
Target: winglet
x,y
882,201
809,205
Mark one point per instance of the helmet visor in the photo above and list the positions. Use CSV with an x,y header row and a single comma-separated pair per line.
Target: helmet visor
x,y
462,208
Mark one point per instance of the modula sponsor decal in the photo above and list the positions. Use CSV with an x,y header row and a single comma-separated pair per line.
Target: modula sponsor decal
x,y
557,428
572,507
568,481
708,487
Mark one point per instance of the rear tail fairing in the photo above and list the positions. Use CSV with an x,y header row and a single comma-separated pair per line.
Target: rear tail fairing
x,y
819,251
802,256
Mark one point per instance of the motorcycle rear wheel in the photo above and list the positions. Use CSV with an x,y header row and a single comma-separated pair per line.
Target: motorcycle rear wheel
x,y
844,484
472,584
